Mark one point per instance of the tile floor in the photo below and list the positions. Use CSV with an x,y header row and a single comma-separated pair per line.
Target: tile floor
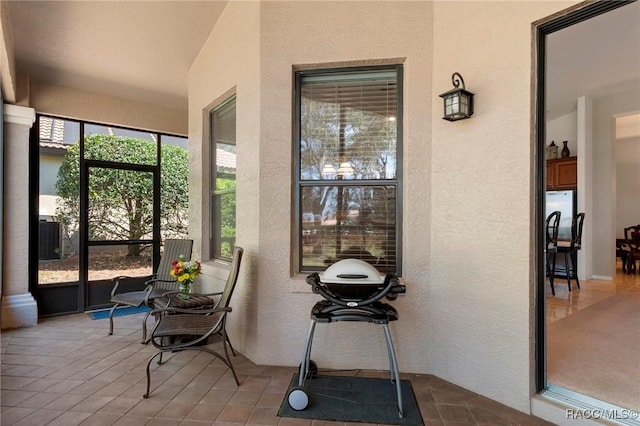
x,y
67,371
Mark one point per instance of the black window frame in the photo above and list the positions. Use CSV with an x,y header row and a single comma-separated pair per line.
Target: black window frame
x,y
299,184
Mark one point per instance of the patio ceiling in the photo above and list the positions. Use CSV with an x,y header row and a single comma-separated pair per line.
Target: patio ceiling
x,y
138,50
142,50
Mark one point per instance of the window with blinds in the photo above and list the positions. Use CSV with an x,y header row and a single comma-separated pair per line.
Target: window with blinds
x,y
348,167
223,180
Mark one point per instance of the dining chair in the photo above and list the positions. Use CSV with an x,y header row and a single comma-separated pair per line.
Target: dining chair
x,y
160,283
551,246
632,247
569,249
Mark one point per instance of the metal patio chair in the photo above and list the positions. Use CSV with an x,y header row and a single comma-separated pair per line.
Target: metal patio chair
x,y
160,283
178,329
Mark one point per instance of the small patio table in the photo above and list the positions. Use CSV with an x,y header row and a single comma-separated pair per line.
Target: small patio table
x,y
173,300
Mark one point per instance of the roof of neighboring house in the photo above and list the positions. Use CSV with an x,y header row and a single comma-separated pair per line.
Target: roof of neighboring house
x,y
53,149
53,145
51,129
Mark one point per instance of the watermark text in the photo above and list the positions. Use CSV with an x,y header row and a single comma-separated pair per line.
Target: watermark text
x,y
602,414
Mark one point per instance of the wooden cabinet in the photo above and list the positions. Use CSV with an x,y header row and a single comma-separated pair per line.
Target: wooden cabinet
x,y
562,173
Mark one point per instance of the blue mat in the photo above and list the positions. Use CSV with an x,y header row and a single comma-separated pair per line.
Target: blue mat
x,y
355,399
129,310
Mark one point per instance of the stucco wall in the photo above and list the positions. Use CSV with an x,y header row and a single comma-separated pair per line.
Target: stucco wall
x,y
7,63
229,60
299,33
65,102
468,195
482,181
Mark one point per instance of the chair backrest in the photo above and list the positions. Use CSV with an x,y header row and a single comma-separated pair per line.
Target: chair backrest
x,y
576,229
173,249
232,279
553,222
632,235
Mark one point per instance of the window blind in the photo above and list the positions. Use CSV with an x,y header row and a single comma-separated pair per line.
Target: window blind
x,y
348,167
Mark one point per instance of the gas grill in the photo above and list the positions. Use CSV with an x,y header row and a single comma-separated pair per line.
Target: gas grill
x,y
352,290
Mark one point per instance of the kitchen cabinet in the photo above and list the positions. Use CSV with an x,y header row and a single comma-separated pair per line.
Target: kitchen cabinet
x,y
562,173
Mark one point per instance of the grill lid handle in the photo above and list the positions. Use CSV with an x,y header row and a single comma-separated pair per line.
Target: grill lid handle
x,y
352,276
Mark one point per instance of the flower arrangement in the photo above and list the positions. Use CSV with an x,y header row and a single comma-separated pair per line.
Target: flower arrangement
x,y
185,273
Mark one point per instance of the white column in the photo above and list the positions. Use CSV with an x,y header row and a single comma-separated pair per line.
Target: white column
x,y
19,308
585,185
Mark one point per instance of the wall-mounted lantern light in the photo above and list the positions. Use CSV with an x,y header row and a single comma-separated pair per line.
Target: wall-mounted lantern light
x,y
458,103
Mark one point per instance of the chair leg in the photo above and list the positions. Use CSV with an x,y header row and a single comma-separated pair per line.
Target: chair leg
x,y
574,270
233,352
146,395
552,273
228,360
113,309
145,340
567,269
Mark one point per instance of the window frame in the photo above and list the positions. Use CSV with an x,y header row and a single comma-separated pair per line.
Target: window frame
x,y
299,184
215,239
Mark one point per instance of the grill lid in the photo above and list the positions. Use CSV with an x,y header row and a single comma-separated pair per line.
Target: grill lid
x,y
351,271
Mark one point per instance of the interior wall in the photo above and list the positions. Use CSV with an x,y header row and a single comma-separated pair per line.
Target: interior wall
x,y
563,129
483,248
604,183
627,158
71,103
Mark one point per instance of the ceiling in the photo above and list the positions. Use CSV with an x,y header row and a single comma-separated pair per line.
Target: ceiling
x,y
142,50
139,50
593,58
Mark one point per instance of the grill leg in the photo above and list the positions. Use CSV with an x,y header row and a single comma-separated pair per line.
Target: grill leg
x,y
394,367
304,365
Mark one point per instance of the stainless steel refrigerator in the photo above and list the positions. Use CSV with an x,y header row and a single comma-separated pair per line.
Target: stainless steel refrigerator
x,y
565,202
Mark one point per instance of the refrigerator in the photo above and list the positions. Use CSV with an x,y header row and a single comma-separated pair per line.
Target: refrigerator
x,y
565,202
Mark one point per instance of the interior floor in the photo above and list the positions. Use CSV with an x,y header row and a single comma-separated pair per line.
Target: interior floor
x,y
593,338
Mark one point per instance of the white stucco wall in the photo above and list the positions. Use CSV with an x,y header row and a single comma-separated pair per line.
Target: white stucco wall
x,y
299,33
253,48
66,102
229,60
482,276
468,196
49,166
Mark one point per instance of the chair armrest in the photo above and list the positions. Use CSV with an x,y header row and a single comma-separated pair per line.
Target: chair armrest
x,y
116,281
154,280
217,293
189,311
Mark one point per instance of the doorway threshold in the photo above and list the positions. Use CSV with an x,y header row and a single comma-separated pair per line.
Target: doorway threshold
x,y
566,407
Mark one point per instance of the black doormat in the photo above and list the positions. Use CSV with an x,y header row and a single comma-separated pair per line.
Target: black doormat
x,y
355,399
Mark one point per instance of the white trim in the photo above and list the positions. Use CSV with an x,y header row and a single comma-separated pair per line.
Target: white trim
x,y
15,114
19,310
601,277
